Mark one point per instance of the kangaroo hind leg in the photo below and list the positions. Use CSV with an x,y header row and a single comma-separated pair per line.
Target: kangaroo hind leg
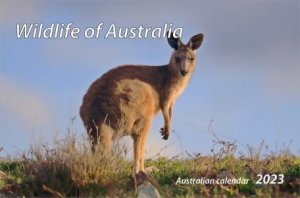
x,y
139,141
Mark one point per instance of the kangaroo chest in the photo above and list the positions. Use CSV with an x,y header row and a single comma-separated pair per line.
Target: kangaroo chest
x,y
177,89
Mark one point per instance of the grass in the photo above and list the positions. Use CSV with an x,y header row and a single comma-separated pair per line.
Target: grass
x,y
68,168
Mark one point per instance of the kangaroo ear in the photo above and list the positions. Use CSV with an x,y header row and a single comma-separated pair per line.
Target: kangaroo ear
x,y
175,43
196,41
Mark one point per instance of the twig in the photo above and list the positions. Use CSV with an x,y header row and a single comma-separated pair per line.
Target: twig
x,y
161,150
49,190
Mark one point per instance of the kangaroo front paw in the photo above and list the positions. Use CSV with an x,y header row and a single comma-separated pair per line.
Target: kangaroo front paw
x,y
165,133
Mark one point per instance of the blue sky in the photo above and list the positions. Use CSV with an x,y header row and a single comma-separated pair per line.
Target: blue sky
x,y
247,76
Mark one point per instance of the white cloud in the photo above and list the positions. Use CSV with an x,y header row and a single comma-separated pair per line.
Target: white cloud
x,y
23,103
11,11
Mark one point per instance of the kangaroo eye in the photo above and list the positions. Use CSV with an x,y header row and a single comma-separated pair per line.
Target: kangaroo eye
x,y
177,59
191,59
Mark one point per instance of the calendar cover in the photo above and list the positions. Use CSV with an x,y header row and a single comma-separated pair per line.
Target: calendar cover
x,y
149,98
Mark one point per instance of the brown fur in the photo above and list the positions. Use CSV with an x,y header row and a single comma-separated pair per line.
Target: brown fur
x,y
125,99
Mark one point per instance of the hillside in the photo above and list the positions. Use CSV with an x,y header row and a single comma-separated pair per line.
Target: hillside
x,y
69,169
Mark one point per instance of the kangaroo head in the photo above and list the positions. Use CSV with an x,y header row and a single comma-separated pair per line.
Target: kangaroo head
x,y
183,58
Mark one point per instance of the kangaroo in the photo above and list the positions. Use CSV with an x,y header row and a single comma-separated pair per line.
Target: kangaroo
x,y
124,100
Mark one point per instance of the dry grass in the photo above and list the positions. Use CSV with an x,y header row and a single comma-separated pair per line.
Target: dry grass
x,y
67,167
71,169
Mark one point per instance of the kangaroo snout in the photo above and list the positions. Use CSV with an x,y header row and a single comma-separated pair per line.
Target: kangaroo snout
x,y
183,72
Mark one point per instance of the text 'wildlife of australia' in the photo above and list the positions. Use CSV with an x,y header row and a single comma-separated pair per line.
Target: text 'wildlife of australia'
x,y
69,30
